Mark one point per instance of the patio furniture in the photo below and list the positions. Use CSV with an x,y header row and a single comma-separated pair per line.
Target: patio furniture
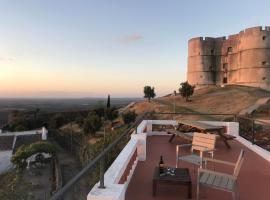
x,y
201,142
206,128
188,136
218,180
181,177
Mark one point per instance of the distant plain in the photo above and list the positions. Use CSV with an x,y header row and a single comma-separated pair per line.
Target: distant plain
x,y
56,105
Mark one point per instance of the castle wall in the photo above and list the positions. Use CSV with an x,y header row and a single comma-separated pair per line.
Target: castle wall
x,y
242,58
201,61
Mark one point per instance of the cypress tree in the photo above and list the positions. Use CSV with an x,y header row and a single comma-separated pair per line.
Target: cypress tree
x,y
108,102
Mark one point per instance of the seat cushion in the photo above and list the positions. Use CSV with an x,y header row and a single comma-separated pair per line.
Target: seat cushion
x,y
192,158
217,181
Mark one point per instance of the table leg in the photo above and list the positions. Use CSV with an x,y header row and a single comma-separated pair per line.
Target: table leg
x,y
171,138
154,187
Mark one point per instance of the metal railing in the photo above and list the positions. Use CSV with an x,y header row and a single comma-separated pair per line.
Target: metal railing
x,y
100,159
251,129
232,115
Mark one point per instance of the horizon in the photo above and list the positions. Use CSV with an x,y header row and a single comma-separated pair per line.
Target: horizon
x,y
55,98
91,49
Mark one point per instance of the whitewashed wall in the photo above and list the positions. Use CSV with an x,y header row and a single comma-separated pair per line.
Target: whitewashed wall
x,y
5,163
231,127
113,190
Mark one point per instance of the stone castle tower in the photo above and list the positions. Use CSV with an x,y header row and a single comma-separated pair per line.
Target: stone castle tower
x,y
242,59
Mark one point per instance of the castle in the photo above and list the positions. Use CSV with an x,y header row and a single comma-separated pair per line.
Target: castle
x,y
242,59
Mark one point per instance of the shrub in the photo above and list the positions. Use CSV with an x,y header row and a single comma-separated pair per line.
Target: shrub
x,y
111,114
92,123
129,117
57,121
149,92
100,111
186,90
25,151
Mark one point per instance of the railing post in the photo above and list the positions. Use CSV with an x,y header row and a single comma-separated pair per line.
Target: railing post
x,y
101,172
253,131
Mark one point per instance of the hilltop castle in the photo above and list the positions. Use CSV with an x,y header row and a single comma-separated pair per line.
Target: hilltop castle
x,y
242,59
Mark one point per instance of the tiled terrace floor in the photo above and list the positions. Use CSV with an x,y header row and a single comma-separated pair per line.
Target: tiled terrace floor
x,y
253,180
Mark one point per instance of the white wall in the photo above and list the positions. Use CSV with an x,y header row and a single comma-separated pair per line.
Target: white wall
x,y
113,190
5,163
232,127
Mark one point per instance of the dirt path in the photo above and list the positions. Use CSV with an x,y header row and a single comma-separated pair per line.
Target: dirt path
x,y
68,164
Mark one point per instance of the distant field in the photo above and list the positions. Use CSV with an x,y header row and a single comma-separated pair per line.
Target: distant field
x,y
3,117
54,105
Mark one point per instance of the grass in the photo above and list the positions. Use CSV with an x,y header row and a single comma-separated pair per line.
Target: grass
x,y
14,187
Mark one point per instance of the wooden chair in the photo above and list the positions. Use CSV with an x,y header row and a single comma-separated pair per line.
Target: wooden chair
x,y
201,142
218,180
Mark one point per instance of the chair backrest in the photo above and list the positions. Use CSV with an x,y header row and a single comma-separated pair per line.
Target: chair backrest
x,y
201,141
239,163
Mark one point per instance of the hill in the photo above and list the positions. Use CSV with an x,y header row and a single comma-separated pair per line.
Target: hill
x,y
228,100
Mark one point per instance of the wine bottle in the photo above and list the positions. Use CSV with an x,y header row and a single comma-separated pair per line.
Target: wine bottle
x,y
161,165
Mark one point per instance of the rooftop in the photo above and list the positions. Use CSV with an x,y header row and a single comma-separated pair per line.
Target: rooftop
x,y
253,180
6,142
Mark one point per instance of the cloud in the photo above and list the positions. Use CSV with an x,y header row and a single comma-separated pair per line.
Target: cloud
x,y
128,39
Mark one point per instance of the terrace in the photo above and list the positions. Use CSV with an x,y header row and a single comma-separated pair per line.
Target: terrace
x,y
253,180
130,175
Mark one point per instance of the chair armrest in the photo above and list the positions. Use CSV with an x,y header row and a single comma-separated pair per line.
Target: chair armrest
x,y
178,148
219,161
200,170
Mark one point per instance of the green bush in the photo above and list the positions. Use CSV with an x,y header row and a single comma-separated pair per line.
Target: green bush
x,y
111,113
186,90
25,151
57,121
92,123
129,117
149,92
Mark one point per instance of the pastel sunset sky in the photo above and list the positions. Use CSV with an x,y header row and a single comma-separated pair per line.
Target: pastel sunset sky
x,y
61,48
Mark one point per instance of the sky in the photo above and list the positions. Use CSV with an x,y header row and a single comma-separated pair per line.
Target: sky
x,y
79,48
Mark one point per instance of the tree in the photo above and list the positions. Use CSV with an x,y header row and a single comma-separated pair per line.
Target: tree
x,y
108,102
57,121
129,117
149,92
111,114
92,123
186,90
35,115
100,111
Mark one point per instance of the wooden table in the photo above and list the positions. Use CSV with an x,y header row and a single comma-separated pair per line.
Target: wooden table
x,y
206,128
201,126
181,177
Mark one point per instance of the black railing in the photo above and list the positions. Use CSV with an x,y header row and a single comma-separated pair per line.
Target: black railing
x,y
100,159
231,115
254,130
